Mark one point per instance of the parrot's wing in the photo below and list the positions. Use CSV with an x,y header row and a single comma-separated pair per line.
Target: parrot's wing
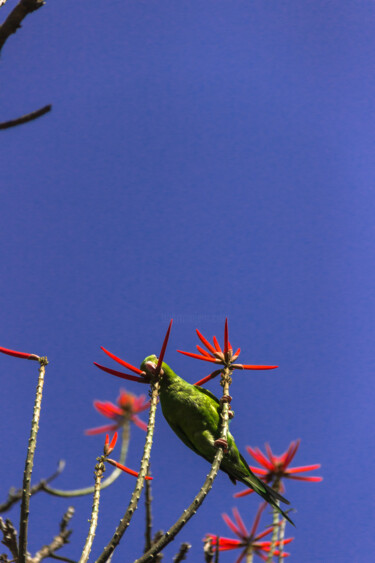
x,y
181,434
208,394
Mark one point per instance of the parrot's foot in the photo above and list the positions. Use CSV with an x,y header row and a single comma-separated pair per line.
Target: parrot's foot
x,y
225,399
221,443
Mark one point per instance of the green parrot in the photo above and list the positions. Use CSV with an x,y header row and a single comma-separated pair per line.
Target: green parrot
x,y
193,413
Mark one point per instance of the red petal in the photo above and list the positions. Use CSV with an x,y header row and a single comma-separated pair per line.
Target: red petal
x,y
259,470
239,522
101,429
138,422
271,457
208,377
108,409
243,493
226,343
257,518
164,347
122,375
258,367
15,354
260,457
292,450
203,351
126,469
304,468
217,345
113,441
122,362
205,342
263,534
191,355
233,527
237,352
311,479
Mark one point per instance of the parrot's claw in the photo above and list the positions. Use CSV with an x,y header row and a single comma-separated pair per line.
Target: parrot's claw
x,y
221,443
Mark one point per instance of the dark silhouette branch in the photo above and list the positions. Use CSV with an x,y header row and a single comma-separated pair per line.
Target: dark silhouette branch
x,y
25,118
16,16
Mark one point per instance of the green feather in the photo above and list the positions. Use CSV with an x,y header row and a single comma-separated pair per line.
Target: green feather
x,y
193,413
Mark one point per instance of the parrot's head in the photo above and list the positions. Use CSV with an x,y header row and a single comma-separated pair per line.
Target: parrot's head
x,y
149,364
149,367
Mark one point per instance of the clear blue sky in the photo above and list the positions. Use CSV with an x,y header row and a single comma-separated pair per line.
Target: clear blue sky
x,y
202,160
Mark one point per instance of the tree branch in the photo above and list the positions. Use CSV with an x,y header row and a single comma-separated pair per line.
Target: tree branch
x,y
14,19
15,495
25,118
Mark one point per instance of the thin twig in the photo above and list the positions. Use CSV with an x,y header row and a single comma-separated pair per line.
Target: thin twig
x,y
25,118
125,521
99,471
181,555
281,539
192,509
60,558
14,19
25,506
275,534
15,495
148,501
58,541
249,555
107,482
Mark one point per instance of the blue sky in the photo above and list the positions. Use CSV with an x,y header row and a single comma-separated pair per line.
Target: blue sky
x,y
202,160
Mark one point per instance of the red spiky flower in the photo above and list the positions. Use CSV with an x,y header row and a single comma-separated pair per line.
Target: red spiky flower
x,y
218,356
144,377
248,540
127,408
275,468
108,448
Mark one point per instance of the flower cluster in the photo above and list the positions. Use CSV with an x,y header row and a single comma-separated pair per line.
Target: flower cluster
x,y
249,541
216,355
127,408
275,468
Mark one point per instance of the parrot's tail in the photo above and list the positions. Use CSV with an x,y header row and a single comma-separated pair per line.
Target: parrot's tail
x,y
265,491
273,498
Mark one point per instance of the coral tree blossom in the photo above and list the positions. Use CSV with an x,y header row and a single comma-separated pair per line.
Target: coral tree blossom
x,y
108,449
275,468
249,541
216,355
127,408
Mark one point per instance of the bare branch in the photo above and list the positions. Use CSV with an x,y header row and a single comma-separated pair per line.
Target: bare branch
x,y
181,555
25,118
58,541
13,21
15,495
9,537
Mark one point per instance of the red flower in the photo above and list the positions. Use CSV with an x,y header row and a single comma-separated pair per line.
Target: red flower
x,y
129,406
108,448
276,468
248,540
145,378
218,356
